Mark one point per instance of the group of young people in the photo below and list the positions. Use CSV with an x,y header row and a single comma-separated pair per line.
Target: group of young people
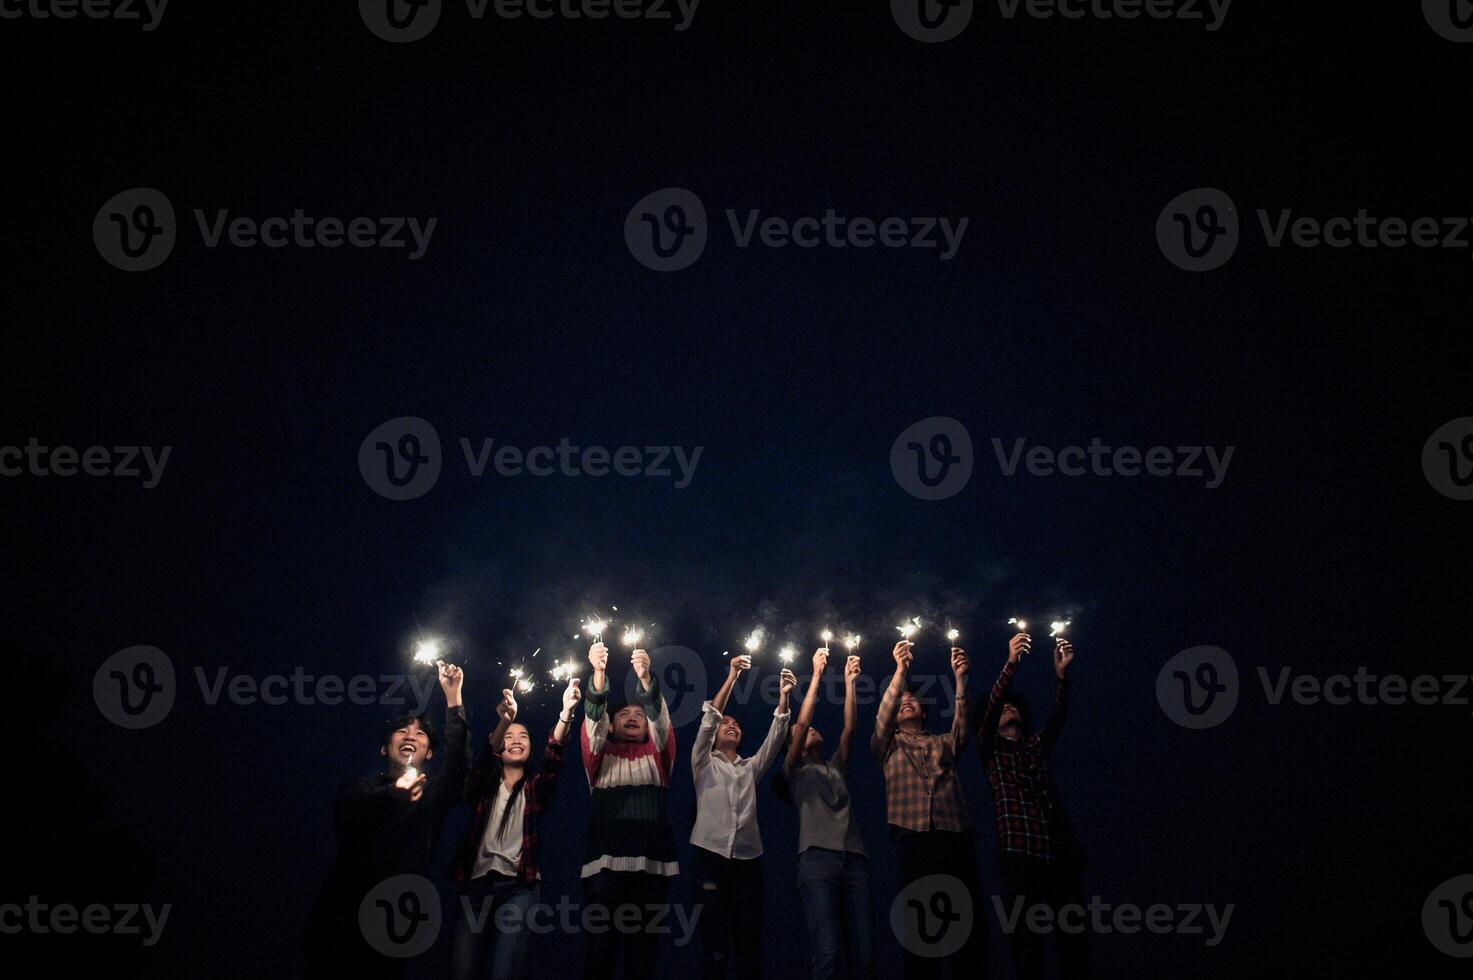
x,y
389,824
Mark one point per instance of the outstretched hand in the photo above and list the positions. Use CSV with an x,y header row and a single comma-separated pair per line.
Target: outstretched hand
x,y
1063,656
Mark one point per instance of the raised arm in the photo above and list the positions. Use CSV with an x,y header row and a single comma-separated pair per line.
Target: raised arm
x,y
448,786
961,720
773,743
711,712
851,713
653,703
572,694
987,727
890,702
596,711
805,713
1063,657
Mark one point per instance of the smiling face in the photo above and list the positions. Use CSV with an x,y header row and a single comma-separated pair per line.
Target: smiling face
x,y
408,745
910,709
728,734
516,745
629,724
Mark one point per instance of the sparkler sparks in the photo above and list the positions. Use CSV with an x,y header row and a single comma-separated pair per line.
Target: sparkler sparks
x,y
787,654
953,635
908,628
851,641
753,642
595,627
1057,627
826,636
1022,626
427,652
564,671
633,635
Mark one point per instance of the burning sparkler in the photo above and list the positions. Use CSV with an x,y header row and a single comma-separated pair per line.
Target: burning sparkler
x,y
908,628
787,654
1022,626
428,652
826,636
633,636
1057,627
595,628
564,671
851,641
521,682
953,635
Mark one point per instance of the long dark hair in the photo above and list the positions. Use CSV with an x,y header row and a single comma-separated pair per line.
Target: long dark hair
x,y
516,789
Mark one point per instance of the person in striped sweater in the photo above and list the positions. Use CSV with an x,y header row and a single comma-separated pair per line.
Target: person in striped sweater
x,y
630,857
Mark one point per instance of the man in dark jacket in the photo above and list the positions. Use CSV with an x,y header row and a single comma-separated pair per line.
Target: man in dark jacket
x,y
387,825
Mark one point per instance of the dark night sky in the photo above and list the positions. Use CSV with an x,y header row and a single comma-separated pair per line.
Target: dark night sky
x,y
262,549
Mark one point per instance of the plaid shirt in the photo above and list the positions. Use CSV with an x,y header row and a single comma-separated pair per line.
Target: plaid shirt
x,y
1031,822
922,791
481,790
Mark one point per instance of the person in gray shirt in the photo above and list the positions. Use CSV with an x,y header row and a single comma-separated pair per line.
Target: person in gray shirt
x,y
833,869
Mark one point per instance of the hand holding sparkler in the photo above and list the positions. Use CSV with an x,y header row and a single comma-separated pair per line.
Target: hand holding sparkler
x,y
960,666
572,694
411,783
851,670
598,657
1063,657
787,680
506,708
640,661
903,656
820,660
826,636
1018,646
736,665
451,679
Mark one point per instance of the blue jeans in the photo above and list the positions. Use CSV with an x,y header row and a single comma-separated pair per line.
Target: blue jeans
x,y
490,937
834,887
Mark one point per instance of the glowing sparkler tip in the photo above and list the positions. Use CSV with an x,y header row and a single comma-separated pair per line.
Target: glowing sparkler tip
x,y
427,651
953,634
851,641
787,653
826,636
1022,626
1057,627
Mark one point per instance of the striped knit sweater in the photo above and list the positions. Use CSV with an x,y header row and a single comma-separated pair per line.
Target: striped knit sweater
x,y
629,814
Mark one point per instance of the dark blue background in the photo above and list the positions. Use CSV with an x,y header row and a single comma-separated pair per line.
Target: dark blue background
x,y
528,321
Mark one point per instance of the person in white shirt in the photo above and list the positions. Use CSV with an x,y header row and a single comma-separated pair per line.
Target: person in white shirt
x,y
833,869
727,845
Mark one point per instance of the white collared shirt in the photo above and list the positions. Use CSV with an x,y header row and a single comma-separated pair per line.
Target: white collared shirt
x,y
726,791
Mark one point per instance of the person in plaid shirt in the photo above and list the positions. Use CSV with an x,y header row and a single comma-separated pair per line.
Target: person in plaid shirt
x,y
929,821
496,864
1039,856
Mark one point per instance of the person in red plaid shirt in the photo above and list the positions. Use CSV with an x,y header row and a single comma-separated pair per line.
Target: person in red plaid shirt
x,y
1039,856
496,865
929,821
